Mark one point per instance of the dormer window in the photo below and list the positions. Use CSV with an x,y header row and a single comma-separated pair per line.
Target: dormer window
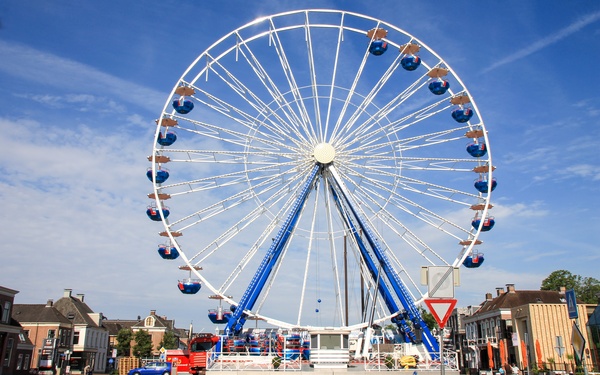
x,y
149,322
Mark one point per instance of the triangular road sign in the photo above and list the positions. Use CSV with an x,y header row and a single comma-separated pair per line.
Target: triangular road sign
x,y
441,309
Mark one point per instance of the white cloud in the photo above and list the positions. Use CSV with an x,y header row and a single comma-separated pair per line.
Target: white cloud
x,y
31,65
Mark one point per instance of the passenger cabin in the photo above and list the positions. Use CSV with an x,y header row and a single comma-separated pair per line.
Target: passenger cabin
x,y
488,224
168,252
166,140
154,215
410,62
477,150
377,46
219,315
439,86
462,115
189,286
473,261
183,105
482,185
161,175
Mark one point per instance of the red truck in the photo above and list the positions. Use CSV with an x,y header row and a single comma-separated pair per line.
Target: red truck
x,y
194,359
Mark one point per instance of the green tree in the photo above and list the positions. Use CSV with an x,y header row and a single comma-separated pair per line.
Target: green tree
x,y
428,318
586,288
143,344
559,279
124,337
169,341
589,289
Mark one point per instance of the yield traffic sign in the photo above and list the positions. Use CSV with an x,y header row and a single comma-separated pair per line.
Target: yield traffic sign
x,y
441,309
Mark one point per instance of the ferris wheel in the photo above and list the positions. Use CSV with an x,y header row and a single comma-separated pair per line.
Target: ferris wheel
x,y
308,164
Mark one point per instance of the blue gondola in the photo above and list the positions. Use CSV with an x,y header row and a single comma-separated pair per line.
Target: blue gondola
x,y
182,105
168,252
410,62
154,215
167,139
219,316
482,185
487,224
439,87
161,175
378,47
462,114
189,286
473,261
477,150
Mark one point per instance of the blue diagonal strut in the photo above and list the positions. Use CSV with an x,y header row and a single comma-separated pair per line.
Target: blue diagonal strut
x,y
386,267
372,267
235,324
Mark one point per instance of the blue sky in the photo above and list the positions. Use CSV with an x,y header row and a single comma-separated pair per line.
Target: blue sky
x,y
82,82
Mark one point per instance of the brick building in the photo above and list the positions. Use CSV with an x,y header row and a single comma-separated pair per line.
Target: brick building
x,y
16,349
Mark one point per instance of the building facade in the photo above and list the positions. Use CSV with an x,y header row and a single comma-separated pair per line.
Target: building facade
x,y
49,331
543,332
67,334
515,322
90,338
16,349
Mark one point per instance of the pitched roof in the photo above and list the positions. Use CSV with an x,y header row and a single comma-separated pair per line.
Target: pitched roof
x,y
79,310
114,326
159,321
38,314
508,300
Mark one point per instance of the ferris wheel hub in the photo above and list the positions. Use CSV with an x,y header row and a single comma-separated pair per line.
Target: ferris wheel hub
x,y
324,153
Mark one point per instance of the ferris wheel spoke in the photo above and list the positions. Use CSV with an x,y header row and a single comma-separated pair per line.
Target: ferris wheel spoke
x,y
224,205
295,91
350,95
314,85
367,101
361,133
281,125
385,110
261,176
404,204
266,158
332,85
247,121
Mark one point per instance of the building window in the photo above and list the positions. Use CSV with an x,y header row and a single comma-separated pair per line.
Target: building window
x,y
19,361
9,347
51,333
149,322
26,363
75,337
6,312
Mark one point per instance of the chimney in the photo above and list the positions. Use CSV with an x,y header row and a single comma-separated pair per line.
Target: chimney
x,y
562,290
499,292
152,312
510,288
67,293
80,297
49,303
488,296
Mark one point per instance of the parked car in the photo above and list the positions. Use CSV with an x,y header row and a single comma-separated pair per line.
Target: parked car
x,y
152,368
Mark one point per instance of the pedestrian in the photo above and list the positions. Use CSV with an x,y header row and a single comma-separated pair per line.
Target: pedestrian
x,y
515,369
501,370
86,370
